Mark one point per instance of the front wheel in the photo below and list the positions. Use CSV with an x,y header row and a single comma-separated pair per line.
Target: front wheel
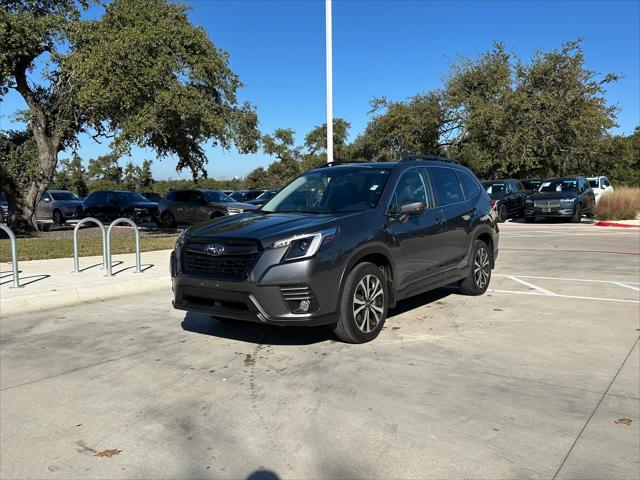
x,y
363,306
477,280
502,214
577,215
167,220
58,218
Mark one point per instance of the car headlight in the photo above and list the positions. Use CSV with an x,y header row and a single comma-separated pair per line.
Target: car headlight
x,y
567,200
305,246
234,211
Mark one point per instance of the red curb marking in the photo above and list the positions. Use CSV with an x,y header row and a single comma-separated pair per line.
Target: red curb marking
x,y
615,224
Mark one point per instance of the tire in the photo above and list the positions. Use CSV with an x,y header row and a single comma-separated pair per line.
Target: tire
x,y
502,213
360,328
577,215
44,227
167,220
58,218
477,281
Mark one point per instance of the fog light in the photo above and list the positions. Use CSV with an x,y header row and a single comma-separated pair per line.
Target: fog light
x,y
304,306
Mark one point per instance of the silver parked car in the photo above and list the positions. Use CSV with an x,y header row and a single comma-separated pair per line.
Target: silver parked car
x,y
57,207
195,206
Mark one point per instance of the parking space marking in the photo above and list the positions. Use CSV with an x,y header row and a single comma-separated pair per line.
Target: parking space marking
x,y
539,277
571,250
620,284
559,295
530,285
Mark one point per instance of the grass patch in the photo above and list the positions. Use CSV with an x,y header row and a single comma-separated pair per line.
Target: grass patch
x,y
45,248
621,204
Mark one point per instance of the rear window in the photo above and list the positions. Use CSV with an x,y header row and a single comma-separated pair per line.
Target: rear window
x,y
446,185
469,185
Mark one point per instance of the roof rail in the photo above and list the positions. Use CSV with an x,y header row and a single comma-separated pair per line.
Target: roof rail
x,y
408,158
343,162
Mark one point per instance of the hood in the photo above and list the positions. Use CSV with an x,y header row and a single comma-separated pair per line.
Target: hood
x,y
148,205
68,203
552,195
264,227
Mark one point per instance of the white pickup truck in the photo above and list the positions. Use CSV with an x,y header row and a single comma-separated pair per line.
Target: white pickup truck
x,y
600,186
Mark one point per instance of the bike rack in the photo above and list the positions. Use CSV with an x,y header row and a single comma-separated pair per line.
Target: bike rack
x,y
137,233
76,261
14,256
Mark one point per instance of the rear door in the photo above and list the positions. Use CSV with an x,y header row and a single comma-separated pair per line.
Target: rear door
x,y
44,208
181,206
418,240
457,211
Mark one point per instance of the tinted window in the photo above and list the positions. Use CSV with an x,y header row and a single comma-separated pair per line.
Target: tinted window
x,y
413,186
63,195
494,188
568,185
97,197
469,185
181,196
171,196
446,185
214,196
594,183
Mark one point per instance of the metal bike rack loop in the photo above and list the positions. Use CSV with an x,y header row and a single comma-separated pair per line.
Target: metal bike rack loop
x,y
76,261
137,233
14,255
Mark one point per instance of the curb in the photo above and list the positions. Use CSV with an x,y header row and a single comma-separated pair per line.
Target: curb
x,y
615,224
73,296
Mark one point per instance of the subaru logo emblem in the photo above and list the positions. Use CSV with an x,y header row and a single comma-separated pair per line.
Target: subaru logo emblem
x,y
215,249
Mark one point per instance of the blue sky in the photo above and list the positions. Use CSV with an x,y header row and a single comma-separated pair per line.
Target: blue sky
x,y
386,48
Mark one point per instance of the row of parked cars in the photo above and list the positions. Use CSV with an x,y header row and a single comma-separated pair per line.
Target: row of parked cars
x,y
569,198
57,207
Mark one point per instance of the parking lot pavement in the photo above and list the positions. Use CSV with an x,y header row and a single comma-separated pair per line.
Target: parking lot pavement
x,y
537,378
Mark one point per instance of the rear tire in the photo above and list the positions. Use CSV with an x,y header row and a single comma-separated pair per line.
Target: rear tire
x,y
363,305
477,281
502,214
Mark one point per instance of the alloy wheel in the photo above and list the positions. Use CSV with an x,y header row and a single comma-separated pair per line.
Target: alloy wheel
x,y
368,303
481,268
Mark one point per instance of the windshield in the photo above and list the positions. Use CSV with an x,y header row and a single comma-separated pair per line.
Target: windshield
x,y
64,196
331,190
494,188
593,183
567,185
129,197
532,184
215,196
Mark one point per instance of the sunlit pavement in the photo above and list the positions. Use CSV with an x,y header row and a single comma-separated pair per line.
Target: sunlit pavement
x,y
537,378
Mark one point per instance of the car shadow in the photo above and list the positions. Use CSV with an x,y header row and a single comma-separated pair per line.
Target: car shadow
x,y
260,333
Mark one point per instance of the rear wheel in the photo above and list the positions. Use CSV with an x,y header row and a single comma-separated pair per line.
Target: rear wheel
x,y
479,276
363,306
577,215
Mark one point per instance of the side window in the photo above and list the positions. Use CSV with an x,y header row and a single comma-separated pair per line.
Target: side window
x,y
519,186
446,185
171,196
469,185
604,182
413,186
195,197
181,196
98,197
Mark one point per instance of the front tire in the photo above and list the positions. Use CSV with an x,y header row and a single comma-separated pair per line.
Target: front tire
x,y
167,220
577,215
479,276
363,306
502,214
58,218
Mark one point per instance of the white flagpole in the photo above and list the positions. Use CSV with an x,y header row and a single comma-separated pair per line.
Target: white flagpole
x,y
329,60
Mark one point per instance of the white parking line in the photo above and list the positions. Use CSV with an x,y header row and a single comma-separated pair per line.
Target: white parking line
x,y
557,295
620,284
530,285
565,279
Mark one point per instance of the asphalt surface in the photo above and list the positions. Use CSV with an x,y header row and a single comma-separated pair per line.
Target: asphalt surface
x,y
539,378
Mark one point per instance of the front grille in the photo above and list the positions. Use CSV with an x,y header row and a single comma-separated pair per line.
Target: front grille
x,y
234,263
546,203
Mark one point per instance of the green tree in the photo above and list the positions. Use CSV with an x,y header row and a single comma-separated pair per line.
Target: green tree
x,y
145,178
140,74
71,175
106,168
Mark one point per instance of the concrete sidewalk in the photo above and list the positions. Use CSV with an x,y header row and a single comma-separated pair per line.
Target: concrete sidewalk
x,y
50,283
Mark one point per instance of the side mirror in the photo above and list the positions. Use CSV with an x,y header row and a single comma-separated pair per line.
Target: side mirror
x,y
412,207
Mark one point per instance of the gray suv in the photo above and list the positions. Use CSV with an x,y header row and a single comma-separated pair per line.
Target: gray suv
x,y
57,207
340,245
195,206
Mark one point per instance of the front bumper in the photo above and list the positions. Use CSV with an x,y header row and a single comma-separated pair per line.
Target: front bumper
x,y
549,212
261,296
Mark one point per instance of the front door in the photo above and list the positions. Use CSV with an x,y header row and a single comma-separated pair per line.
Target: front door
x,y
417,239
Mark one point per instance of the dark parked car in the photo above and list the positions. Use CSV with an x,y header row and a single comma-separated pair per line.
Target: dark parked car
x,y
569,198
246,195
109,205
531,185
340,245
57,207
263,198
195,206
4,208
509,196
152,196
